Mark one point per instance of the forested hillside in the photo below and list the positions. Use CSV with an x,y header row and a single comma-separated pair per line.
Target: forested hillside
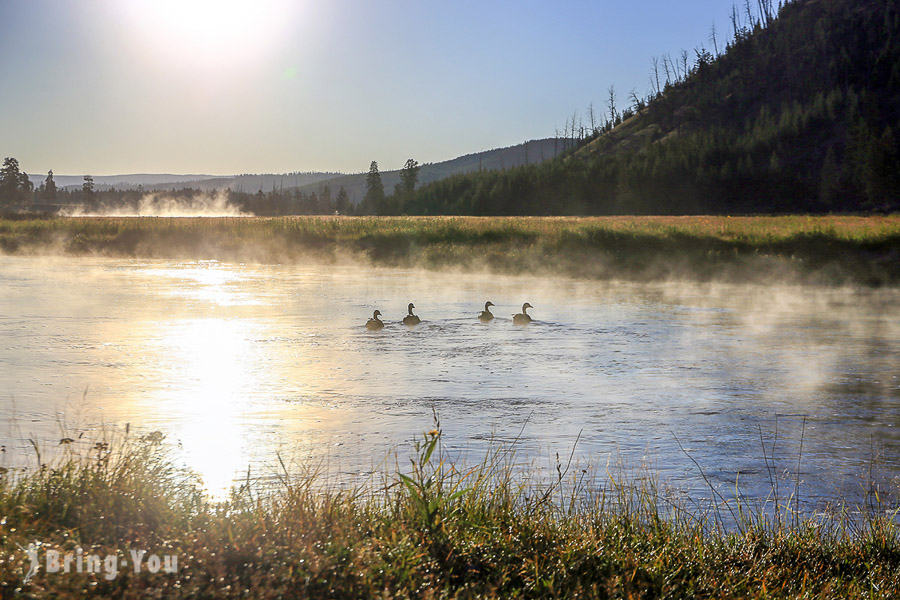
x,y
800,112
526,153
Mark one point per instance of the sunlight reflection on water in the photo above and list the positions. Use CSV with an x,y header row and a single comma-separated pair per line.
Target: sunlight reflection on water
x,y
242,363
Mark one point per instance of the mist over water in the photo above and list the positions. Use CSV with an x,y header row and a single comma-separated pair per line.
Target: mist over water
x,y
161,205
236,363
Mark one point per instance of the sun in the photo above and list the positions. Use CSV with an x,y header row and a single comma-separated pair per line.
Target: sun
x,y
208,33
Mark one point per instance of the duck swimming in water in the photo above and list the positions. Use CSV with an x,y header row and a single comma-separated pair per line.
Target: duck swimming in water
x,y
374,324
411,319
523,318
486,315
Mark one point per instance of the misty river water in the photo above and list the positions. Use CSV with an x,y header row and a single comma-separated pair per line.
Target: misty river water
x,y
240,364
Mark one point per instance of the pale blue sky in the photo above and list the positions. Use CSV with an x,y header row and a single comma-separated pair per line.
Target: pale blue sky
x,y
229,86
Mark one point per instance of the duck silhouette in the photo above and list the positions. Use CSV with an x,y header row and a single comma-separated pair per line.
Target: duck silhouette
x,y
411,319
523,318
374,324
486,315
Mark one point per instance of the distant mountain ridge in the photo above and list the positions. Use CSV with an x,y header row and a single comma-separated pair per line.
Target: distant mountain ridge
x,y
129,180
530,152
162,181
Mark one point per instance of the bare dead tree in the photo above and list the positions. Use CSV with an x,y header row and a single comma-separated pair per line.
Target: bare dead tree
x,y
635,101
684,63
666,67
736,22
611,103
765,11
655,79
749,12
712,38
592,118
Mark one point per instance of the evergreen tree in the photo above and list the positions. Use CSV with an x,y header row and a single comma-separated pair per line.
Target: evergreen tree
x,y
15,187
374,198
48,188
409,176
325,203
26,188
342,202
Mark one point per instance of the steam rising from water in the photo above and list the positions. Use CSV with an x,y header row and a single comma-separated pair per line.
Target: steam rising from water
x,y
239,362
162,205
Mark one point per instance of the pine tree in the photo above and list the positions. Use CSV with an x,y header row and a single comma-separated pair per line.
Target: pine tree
x,y
48,188
342,202
409,177
15,187
374,198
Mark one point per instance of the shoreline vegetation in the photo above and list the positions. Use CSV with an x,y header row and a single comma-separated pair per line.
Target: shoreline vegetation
x,y
431,530
828,250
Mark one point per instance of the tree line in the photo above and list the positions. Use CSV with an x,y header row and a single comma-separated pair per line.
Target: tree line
x,y
17,190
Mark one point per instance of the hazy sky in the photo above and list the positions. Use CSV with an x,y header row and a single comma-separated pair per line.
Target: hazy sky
x,y
235,86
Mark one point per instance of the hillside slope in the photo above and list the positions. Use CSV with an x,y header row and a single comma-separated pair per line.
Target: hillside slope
x,y
800,114
527,153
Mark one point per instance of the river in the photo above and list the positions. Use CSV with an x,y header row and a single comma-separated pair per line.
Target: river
x,y
244,366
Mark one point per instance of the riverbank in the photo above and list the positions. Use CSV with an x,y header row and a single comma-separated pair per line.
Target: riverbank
x,y
431,531
831,250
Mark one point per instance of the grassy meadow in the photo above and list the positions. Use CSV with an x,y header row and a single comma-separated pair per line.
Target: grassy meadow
x,y
815,249
430,530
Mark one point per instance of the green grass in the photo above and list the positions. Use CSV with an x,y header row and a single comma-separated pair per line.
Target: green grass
x,y
823,249
432,530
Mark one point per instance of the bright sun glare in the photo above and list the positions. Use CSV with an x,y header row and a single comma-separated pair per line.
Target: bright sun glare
x,y
209,33
211,356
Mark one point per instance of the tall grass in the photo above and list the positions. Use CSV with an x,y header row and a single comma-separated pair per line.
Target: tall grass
x,y
823,249
432,529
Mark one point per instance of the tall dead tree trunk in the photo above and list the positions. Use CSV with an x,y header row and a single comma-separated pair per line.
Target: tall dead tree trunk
x,y
611,103
712,38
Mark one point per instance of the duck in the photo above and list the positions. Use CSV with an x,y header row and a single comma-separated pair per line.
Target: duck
x,y
374,324
523,318
485,315
411,319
